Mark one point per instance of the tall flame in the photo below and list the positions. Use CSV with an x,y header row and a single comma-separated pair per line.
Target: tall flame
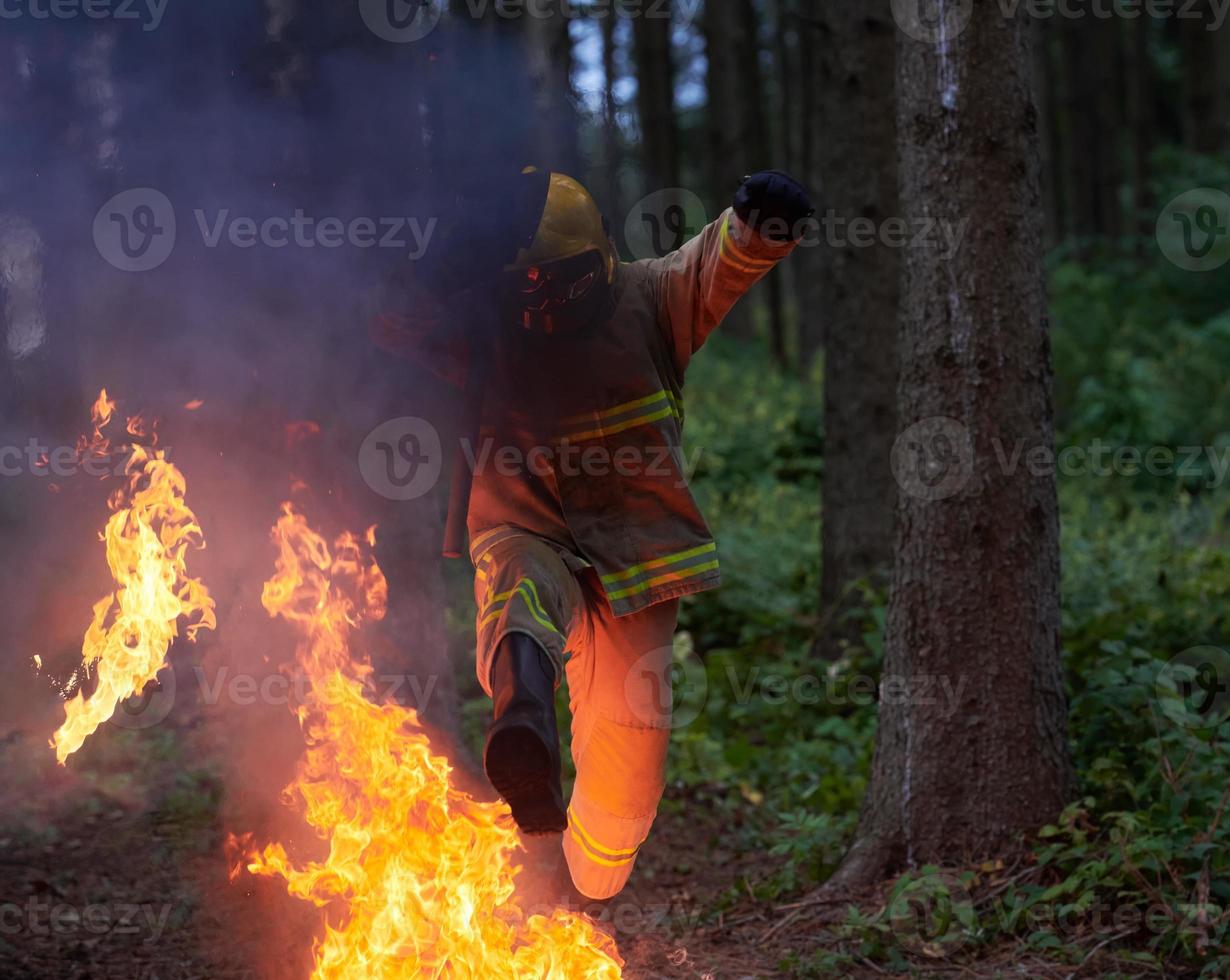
x,y
418,880
147,539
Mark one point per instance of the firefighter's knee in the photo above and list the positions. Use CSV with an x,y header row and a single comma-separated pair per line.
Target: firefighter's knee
x,y
619,784
523,586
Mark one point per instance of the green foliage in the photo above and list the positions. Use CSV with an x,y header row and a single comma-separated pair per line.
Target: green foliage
x,y
1140,350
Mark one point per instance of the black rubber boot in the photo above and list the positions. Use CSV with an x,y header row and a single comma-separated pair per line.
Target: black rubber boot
x,y
521,756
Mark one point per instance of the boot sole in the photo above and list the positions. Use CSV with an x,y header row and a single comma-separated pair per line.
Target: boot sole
x,y
519,767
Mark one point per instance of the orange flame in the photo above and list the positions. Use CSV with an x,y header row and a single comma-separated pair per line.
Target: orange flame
x,y
418,880
147,539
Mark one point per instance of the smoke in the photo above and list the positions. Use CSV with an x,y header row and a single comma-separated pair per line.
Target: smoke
x,y
21,272
258,111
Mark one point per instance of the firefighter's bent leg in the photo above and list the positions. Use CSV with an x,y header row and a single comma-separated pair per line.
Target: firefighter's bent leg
x,y
619,683
521,585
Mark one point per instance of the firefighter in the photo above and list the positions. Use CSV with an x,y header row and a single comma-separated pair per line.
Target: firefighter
x,y
583,533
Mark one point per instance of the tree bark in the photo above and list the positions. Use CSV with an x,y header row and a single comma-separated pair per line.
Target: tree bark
x,y
814,38
732,96
975,602
655,99
612,145
858,297
1204,130
1141,125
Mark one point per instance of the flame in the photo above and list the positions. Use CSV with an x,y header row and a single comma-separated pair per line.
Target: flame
x,y
418,880
147,539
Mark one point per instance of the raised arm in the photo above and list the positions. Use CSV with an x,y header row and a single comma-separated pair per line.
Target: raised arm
x,y
699,283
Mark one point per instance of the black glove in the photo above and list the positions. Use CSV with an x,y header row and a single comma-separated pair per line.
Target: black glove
x,y
770,195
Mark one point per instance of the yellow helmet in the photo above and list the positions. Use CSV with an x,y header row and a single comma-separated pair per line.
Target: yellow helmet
x,y
562,280
570,225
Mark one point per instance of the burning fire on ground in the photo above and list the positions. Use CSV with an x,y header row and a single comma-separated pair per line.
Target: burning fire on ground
x,y
418,878
148,536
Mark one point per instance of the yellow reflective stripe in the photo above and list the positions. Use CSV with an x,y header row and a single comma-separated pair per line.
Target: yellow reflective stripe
x,y
478,542
662,579
597,858
539,614
492,613
607,856
529,592
738,255
617,410
657,563
621,426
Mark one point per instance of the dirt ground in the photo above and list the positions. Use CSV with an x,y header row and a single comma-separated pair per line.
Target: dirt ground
x,y
115,867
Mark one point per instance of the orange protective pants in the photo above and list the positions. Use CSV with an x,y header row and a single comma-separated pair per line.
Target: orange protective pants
x,y
618,673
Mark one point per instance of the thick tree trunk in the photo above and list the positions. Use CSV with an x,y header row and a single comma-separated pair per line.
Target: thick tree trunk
x,y
975,605
858,298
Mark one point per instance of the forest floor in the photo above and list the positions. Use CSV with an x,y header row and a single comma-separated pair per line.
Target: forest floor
x,y
114,869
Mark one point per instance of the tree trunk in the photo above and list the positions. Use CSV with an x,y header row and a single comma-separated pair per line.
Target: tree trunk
x,y
975,601
1141,123
858,297
1203,129
1090,51
612,147
813,39
731,98
1052,148
655,99
553,111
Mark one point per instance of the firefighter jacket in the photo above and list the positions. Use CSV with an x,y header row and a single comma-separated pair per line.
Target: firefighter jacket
x,y
582,436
